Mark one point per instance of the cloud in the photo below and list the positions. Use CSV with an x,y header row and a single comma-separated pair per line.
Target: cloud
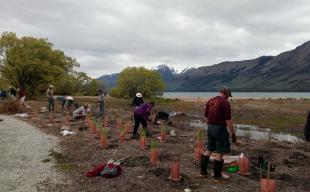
x,y
106,36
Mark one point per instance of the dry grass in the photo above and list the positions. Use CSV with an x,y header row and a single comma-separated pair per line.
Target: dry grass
x,y
11,107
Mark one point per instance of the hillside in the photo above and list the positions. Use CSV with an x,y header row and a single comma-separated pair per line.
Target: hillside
x,y
288,71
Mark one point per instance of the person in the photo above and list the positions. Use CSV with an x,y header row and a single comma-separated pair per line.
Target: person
x,y
137,100
101,101
141,114
22,96
218,117
2,95
62,100
162,115
79,113
12,93
307,128
50,97
69,101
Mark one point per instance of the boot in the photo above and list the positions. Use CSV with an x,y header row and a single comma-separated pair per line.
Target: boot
x,y
218,167
204,161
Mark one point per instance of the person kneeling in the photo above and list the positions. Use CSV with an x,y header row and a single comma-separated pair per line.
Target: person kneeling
x,y
80,113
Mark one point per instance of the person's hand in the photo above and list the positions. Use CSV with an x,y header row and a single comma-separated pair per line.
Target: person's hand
x,y
233,138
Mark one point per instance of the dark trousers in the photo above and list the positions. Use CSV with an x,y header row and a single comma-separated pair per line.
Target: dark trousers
x,y
50,104
139,119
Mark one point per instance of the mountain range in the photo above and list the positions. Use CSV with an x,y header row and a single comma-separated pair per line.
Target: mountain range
x,y
288,71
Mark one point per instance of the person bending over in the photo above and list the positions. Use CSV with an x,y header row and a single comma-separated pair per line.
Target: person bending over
x,y
80,113
141,114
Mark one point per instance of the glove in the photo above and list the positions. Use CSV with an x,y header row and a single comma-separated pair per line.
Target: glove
x,y
233,138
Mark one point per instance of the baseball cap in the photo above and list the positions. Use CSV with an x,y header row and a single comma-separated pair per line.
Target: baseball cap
x,y
226,90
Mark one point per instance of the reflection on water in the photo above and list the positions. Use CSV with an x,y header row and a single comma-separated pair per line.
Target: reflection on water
x,y
253,132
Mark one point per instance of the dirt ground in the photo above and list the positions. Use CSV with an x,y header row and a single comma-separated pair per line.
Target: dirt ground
x,y
81,152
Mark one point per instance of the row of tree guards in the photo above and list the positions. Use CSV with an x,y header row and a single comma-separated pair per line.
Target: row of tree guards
x,y
99,128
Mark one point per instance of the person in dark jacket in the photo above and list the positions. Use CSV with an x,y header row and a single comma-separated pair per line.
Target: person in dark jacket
x,y
12,93
307,128
141,114
137,100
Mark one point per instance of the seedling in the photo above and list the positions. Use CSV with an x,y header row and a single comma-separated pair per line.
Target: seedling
x,y
154,156
122,136
175,171
103,138
243,165
154,144
143,140
98,127
163,131
267,184
128,127
106,121
199,137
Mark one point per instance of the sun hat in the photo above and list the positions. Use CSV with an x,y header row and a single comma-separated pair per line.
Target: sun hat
x,y
139,95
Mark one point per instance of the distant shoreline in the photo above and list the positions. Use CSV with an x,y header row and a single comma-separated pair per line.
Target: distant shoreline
x,y
202,96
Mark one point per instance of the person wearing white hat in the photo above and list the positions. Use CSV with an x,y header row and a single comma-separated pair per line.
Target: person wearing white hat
x,y
137,100
69,102
50,97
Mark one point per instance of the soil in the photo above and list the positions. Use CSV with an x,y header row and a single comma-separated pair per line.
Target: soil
x,y
80,153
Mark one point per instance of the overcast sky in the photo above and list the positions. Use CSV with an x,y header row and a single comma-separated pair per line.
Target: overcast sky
x,y
105,36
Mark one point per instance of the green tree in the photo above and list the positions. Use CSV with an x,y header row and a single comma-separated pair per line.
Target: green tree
x,y
138,79
78,83
29,62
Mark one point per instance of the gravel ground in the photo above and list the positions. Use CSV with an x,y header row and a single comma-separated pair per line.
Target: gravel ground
x,y
25,163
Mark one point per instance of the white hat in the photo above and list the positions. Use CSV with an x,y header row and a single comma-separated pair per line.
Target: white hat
x,y
139,95
51,86
69,98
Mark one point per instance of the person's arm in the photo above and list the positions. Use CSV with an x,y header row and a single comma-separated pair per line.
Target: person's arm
x,y
230,126
229,122
206,113
83,112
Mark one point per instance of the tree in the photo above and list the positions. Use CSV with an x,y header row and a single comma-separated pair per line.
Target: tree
x,y
138,79
78,83
29,62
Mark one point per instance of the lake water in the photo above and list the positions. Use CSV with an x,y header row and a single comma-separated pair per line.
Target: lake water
x,y
253,132
241,95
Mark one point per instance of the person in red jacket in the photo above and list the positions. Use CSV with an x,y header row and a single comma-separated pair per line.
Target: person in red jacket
x,y
218,117
22,96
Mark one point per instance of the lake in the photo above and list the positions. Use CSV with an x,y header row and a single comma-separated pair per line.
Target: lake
x,y
241,95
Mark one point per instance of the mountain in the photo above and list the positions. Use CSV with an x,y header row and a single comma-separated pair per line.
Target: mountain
x,y
288,71
109,80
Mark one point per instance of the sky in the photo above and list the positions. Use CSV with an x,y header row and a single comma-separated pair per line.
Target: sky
x,y
105,36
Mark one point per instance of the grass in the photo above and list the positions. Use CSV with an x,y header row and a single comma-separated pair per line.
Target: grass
x,y
280,115
61,161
